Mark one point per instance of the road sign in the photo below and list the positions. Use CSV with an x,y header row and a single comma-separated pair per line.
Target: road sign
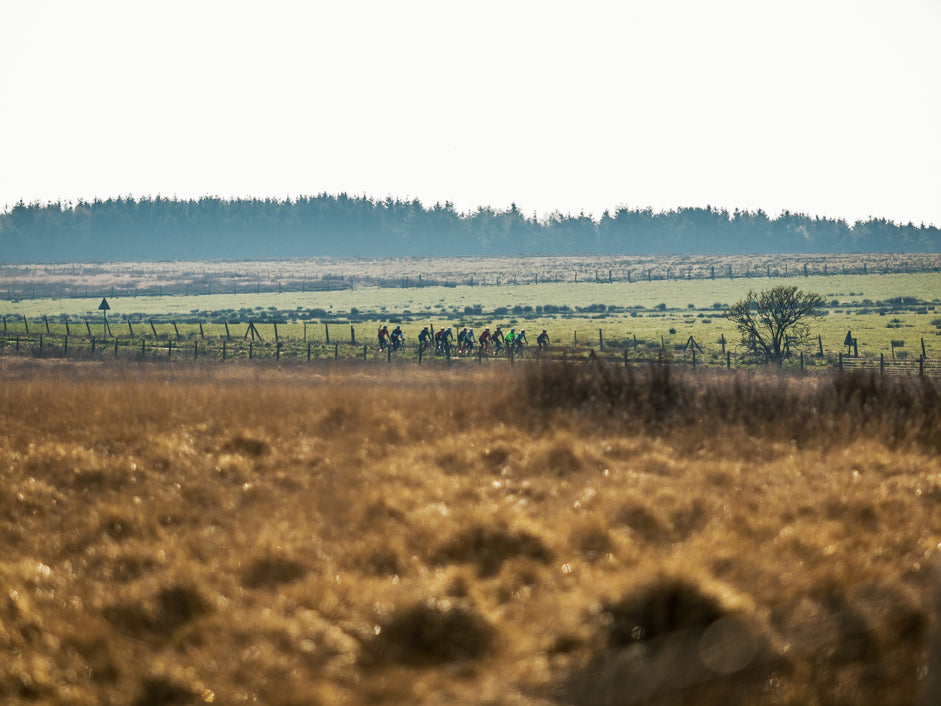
x,y
104,306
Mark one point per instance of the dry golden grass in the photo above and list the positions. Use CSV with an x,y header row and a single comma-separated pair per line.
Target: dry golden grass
x,y
242,534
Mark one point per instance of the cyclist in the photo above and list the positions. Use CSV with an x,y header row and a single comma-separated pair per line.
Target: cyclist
x,y
510,340
424,338
520,340
447,336
498,340
543,340
383,336
398,338
484,340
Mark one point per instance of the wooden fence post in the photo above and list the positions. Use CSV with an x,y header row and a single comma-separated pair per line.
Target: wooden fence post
x,y
115,347
820,345
65,346
420,351
26,323
251,346
92,345
45,320
352,336
882,363
326,329
336,351
728,361
195,350
365,350
223,349
177,330
840,361
600,340
226,322
169,349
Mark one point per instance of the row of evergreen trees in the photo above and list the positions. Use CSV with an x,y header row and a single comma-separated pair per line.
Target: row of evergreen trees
x,y
347,226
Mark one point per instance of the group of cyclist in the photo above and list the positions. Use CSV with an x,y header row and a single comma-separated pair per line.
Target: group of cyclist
x,y
467,342
394,340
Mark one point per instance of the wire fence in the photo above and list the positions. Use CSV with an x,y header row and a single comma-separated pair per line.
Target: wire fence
x,y
250,346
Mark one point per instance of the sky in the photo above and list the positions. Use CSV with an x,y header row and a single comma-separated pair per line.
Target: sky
x,y
829,108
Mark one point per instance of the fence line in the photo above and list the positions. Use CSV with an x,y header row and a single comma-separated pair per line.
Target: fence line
x,y
237,347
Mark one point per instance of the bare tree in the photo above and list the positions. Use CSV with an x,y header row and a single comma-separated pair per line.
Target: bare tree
x,y
771,320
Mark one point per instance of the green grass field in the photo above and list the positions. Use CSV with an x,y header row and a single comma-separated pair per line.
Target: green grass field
x,y
877,308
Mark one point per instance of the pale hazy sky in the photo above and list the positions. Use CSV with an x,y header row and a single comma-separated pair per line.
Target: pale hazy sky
x,y
829,108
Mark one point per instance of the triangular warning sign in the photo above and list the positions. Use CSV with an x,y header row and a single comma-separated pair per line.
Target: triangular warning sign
x,y
104,306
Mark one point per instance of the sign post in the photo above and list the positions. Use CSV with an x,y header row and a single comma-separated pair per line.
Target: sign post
x,y
104,307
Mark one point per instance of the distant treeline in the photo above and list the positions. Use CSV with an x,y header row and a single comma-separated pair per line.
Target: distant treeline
x,y
130,229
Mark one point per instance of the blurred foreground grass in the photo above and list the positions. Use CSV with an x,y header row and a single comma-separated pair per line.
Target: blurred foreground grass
x,y
550,534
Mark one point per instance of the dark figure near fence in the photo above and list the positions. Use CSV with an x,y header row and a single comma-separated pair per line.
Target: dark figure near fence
x,y
498,340
383,337
398,339
484,340
443,340
850,343
424,338
543,340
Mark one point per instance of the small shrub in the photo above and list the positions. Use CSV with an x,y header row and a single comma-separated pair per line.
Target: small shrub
x,y
433,632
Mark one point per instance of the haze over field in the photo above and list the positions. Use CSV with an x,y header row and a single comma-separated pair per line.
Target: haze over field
x,y
826,109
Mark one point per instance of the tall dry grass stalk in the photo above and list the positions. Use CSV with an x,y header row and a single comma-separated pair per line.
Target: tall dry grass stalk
x,y
582,535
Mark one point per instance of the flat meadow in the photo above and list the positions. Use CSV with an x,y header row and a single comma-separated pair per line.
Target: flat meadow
x,y
878,309
543,534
